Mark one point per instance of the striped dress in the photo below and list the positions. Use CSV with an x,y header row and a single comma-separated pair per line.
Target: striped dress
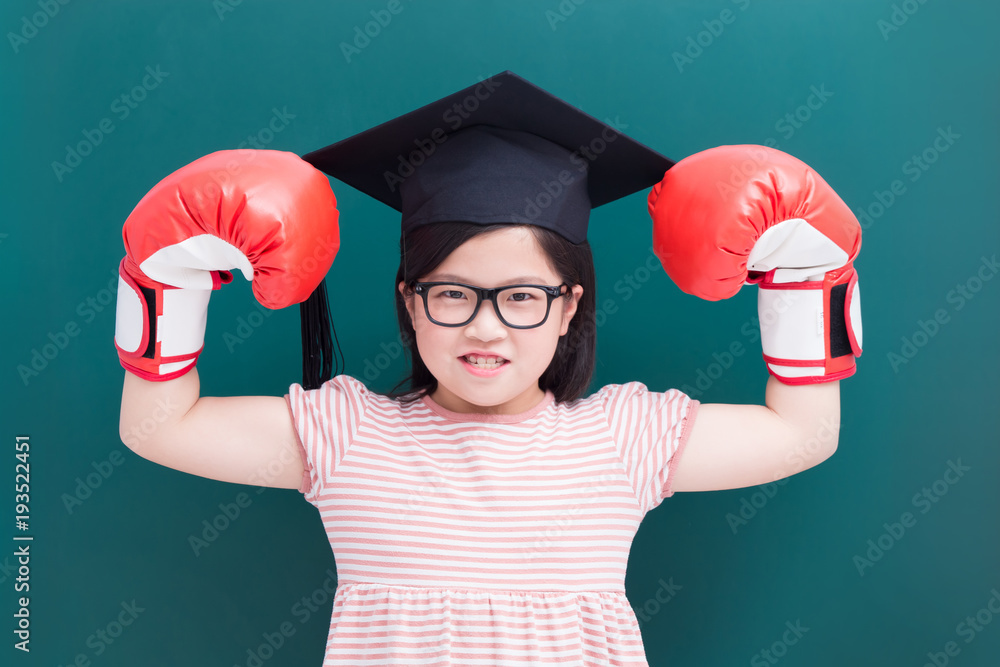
x,y
475,539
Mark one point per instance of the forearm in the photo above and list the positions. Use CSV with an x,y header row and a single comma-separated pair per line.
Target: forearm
x,y
149,409
812,411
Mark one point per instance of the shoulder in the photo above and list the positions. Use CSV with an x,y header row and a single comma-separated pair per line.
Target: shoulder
x,y
343,383
635,391
347,400
629,400
349,388
339,389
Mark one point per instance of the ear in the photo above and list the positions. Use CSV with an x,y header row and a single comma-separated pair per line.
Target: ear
x,y
408,297
570,302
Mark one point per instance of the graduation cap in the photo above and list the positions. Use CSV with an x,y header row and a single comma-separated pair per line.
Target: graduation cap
x,y
501,150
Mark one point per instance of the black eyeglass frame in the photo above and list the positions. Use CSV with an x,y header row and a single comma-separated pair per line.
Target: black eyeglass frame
x,y
489,294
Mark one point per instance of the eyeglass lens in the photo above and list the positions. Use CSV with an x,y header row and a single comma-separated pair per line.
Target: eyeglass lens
x,y
520,306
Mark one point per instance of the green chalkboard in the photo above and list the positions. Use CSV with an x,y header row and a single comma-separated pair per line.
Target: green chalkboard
x,y
894,103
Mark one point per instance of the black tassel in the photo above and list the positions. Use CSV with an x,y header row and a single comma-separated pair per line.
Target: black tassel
x,y
317,345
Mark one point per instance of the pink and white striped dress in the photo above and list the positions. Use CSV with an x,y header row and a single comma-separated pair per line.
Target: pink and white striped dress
x,y
474,539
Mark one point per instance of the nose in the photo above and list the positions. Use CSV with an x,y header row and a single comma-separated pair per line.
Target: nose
x,y
486,325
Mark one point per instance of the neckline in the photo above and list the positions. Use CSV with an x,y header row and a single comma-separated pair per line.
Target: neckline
x,y
485,417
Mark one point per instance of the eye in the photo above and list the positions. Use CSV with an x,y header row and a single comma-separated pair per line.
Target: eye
x,y
521,296
452,294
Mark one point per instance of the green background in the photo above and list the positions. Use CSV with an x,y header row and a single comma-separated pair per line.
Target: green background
x,y
228,66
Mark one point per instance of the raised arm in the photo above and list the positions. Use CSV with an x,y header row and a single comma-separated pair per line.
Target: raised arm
x,y
241,439
269,214
733,446
736,215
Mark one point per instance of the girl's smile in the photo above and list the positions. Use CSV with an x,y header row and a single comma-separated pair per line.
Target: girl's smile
x,y
484,365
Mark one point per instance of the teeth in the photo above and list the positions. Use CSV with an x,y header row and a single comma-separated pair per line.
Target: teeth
x,y
484,362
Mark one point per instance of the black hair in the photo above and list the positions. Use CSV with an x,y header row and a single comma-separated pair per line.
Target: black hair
x,y
572,367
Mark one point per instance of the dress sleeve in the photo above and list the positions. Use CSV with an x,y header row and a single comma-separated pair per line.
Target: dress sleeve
x,y
650,429
325,421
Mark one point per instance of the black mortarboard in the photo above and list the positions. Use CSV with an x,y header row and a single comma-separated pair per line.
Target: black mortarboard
x,y
502,150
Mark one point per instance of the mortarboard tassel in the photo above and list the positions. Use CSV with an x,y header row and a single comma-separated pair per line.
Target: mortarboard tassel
x,y
317,345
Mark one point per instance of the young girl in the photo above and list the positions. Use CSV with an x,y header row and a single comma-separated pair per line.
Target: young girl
x,y
484,515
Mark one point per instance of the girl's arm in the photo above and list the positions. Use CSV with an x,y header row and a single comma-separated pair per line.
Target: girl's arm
x,y
267,213
733,446
744,214
242,439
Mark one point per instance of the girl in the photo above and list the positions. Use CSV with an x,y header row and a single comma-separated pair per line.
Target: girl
x,y
484,514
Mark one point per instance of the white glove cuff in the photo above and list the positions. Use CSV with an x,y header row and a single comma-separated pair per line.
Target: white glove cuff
x,y
804,338
179,328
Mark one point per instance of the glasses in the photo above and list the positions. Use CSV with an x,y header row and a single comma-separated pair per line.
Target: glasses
x,y
517,306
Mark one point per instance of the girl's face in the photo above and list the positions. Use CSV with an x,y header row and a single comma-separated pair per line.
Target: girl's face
x,y
506,256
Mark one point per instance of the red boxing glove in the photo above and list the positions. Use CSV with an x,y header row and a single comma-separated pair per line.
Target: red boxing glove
x,y
267,213
736,215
